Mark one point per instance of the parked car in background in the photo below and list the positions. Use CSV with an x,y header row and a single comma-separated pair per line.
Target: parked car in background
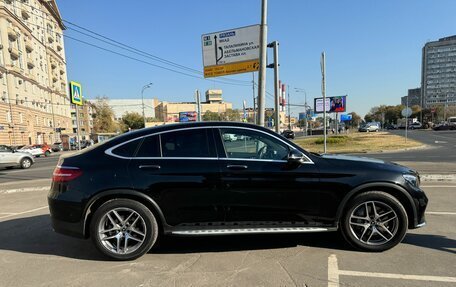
x,y
416,126
288,134
391,127
10,158
45,148
369,127
33,150
17,147
452,121
188,180
57,146
444,126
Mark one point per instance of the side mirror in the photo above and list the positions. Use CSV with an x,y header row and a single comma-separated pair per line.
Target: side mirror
x,y
295,157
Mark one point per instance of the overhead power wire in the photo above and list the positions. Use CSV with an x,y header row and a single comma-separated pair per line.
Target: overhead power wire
x,y
131,49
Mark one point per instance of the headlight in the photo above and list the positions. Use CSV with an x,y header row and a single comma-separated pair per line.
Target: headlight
x,y
412,179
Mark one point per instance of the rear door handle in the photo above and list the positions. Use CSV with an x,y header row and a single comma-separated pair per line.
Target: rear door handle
x,y
150,167
236,166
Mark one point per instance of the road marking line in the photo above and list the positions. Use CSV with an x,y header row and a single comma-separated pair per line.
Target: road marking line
x,y
438,186
26,189
24,212
440,213
334,273
398,276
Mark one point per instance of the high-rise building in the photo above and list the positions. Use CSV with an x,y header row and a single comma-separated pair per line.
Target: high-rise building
x,y
438,76
34,102
413,98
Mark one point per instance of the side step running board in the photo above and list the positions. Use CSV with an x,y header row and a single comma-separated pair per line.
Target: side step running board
x,y
226,231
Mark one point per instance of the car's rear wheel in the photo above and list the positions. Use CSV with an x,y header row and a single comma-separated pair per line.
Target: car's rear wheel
x,y
47,153
374,221
123,229
26,163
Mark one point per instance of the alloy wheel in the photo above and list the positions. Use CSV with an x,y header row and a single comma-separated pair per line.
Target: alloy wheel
x,y
122,230
374,223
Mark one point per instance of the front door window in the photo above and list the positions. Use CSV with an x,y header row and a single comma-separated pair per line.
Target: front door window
x,y
248,144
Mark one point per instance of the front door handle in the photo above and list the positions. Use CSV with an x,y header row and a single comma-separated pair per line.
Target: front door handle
x,y
236,166
150,167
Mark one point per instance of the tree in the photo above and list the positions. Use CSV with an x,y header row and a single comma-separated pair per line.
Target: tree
x,y
132,120
211,116
356,120
233,115
103,121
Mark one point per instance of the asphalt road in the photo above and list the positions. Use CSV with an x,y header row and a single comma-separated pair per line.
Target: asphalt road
x,y
442,147
31,254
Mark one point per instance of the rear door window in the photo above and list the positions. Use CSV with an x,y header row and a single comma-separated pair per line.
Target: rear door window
x,y
186,143
150,147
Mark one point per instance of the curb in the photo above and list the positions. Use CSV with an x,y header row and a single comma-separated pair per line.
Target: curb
x,y
438,177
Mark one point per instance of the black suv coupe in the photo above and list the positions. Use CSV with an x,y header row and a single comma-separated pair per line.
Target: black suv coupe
x,y
214,178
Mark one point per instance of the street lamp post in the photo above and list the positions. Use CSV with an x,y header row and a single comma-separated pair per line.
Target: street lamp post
x,y
142,98
299,90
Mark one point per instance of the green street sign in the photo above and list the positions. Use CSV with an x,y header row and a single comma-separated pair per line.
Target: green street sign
x,y
76,93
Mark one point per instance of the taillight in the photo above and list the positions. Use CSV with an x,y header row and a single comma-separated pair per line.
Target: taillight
x,y
65,173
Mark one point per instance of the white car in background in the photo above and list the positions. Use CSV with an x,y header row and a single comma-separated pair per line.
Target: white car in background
x,y
10,158
33,150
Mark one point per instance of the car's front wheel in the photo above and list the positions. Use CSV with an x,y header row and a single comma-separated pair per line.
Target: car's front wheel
x,y
26,163
123,229
374,221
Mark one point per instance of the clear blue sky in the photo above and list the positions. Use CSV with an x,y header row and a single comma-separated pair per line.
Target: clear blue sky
x,y
373,48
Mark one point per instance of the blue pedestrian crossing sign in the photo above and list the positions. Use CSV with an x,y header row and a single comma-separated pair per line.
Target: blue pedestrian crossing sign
x,y
76,93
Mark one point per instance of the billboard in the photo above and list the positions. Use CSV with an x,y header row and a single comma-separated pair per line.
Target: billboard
x,y
344,118
231,52
187,117
333,104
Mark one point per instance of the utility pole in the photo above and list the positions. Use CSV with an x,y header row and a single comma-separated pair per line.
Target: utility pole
x,y
289,111
406,120
323,92
142,97
78,127
263,64
275,46
198,105
253,90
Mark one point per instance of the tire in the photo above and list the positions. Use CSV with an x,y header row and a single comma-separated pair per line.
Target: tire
x,y
26,163
145,228
359,231
47,153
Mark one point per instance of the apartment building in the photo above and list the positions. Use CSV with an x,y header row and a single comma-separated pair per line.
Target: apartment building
x,y
34,102
438,77
169,112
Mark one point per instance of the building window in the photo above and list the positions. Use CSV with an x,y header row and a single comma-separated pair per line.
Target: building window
x,y
5,96
8,117
21,119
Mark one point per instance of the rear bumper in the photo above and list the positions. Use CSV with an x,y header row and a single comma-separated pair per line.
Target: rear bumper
x,y
66,218
67,228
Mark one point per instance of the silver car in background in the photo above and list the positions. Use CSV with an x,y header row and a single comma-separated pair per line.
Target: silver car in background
x,y
10,158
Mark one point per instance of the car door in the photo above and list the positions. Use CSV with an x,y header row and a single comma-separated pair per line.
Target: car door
x,y
179,170
259,183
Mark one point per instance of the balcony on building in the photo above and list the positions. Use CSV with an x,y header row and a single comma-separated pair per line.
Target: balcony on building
x,y
14,53
28,47
59,47
50,38
30,63
53,64
12,34
25,14
62,71
54,78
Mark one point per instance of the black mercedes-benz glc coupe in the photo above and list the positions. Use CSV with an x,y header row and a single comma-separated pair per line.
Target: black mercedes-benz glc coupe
x,y
219,178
